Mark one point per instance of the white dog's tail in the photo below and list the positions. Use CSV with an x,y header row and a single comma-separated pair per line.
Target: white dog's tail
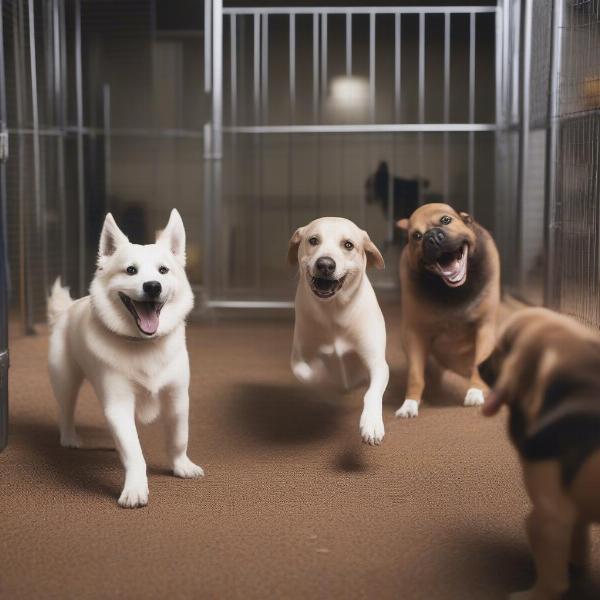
x,y
58,301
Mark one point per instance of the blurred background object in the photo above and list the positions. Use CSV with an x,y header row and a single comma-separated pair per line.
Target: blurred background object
x,y
255,118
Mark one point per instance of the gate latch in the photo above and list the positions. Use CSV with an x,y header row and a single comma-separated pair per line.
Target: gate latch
x,y
3,142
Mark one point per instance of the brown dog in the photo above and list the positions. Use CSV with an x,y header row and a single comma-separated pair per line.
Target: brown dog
x,y
546,368
450,287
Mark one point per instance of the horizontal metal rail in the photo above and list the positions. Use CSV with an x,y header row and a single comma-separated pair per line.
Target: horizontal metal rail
x,y
367,128
355,10
262,304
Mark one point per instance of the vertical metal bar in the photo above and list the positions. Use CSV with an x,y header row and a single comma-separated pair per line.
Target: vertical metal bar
x,y
217,75
292,68
40,209
80,165
265,69
446,186
323,57
525,72
57,24
420,140
550,280
233,67
207,45
256,72
3,261
348,44
398,67
471,190
315,67
372,73
107,144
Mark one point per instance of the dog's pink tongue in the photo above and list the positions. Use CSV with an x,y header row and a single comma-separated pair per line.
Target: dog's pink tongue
x,y
148,316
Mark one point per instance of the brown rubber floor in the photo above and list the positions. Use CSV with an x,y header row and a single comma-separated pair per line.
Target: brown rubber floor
x,y
292,505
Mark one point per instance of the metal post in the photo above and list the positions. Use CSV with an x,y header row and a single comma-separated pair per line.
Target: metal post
x,y
372,67
315,41
292,68
256,71
233,67
217,75
471,167
323,58
398,67
446,184
420,140
551,296
80,164
207,45
525,72
41,221
265,69
348,44
3,261
107,144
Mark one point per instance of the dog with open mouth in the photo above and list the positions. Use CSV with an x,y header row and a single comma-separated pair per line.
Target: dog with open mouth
x,y
545,369
450,293
339,333
127,338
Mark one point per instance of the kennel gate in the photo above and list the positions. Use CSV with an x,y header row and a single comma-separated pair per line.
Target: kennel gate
x,y
291,107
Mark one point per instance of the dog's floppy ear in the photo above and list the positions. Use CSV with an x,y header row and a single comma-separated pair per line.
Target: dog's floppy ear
x,y
467,219
402,224
374,258
173,236
293,246
111,237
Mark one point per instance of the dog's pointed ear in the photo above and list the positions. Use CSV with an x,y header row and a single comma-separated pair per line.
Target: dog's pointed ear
x,y
467,219
374,258
293,245
402,224
111,237
173,236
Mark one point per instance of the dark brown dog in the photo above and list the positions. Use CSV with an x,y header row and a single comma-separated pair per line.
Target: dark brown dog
x,y
546,368
450,287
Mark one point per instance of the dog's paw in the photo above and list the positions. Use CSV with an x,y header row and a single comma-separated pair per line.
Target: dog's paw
x,y
134,496
70,440
408,410
474,397
186,469
371,427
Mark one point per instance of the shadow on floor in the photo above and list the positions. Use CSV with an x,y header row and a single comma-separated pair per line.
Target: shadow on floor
x,y
284,415
84,469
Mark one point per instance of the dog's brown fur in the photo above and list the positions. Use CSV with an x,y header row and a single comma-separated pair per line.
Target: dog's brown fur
x,y
546,368
456,325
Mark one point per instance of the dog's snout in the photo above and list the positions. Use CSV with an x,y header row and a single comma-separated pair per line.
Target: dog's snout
x,y
434,237
326,266
152,288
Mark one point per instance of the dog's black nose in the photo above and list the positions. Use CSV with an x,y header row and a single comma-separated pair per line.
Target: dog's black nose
x,y
326,266
434,237
152,288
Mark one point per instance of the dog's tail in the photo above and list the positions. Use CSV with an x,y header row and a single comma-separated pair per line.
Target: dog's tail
x,y
58,301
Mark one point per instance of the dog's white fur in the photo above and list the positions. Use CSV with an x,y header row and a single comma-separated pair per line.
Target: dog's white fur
x,y
340,340
132,373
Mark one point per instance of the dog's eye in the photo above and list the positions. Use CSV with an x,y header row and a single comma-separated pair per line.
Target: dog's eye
x,y
163,270
131,270
446,220
417,235
313,241
348,245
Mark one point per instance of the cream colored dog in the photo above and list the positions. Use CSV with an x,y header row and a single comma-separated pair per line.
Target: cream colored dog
x,y
339,336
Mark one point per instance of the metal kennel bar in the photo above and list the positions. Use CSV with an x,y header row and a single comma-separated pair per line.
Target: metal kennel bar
x,y
316,47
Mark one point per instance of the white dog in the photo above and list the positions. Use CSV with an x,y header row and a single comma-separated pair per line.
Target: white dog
x,y
339,336
128,339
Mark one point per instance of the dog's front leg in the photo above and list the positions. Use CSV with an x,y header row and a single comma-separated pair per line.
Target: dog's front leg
x,y
119,411
371,419
416,348
484,344
175,411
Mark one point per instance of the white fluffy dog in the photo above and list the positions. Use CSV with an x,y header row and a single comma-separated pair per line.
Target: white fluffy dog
x,y
128,339
339,336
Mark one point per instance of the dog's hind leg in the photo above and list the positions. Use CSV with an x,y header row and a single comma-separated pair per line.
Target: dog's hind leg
x,y
175,417
66,378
